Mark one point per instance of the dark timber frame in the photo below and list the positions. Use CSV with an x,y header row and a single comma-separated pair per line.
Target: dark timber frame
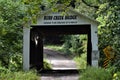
x,y
36,51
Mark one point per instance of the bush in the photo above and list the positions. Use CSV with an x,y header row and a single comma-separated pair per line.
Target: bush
x,y
15,63
11,21
93,73
81,61
31,75
116,76
2,69
75,44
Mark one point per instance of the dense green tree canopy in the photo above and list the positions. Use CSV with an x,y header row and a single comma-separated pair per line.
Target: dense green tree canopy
x,y
11,15
109,28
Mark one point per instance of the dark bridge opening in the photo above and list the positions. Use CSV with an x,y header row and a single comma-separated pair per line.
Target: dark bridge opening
x,y
37,33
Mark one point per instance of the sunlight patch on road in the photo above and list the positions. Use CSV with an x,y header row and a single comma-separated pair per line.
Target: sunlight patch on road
x,y
62,64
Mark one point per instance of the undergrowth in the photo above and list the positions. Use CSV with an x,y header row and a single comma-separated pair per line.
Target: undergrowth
x,y
6,74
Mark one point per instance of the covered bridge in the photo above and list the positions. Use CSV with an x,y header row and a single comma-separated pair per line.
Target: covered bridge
x,y
51,23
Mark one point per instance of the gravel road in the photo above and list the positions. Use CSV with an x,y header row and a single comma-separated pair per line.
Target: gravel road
x,y
59,60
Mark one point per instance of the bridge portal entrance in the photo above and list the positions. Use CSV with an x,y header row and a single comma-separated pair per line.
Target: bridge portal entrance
x,y
37,34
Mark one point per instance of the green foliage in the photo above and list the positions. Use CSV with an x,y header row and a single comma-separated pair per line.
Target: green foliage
x,y
93,73
75,44
114,71
108,16
3,70
86,10
15,62
111,69
116,76
11,15
67,45
46,65
81,61
31,75
32,10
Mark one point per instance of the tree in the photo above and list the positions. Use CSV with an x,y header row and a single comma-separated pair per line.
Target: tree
x,y
109,35
11,15
75,44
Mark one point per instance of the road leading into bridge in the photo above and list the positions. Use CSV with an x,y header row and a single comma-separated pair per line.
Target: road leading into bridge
x,y
58,60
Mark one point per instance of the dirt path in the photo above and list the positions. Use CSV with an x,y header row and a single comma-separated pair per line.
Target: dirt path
x,y
59,60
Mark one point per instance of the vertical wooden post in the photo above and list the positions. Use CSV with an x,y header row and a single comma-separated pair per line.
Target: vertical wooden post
x,y
95,51
26,46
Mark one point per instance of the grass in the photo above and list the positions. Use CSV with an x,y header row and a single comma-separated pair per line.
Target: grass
x,y
94,73
47,65
81,61
20,75
55,47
